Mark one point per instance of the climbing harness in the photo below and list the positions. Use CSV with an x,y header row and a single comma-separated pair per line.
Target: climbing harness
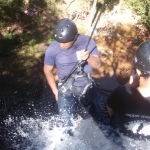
x,y
68,82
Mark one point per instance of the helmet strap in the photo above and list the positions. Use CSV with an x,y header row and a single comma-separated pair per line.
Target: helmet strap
x,y
75,37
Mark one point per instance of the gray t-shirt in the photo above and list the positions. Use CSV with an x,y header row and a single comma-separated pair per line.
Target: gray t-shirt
x,y
65,60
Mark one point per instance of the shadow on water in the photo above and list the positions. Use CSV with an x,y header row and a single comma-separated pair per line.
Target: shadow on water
x,y
22,79
20,94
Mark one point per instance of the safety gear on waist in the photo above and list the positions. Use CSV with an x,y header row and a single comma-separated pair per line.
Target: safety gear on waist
x,y
76,90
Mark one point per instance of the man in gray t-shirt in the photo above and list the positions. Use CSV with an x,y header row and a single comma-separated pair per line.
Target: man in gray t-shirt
x,y
68,49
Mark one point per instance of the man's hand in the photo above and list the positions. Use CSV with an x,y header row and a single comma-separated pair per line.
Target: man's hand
x,y
56,95
93,60
84,55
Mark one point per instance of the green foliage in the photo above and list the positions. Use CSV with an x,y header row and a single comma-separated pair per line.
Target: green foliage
x,y
51,28
9,44
8,10
82,30
32,47
50,39
53,1
52,4
40,21
41,3
110,4
33,42
101,1
142,8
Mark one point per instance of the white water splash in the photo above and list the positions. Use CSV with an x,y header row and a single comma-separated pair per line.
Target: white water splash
x,y
37,134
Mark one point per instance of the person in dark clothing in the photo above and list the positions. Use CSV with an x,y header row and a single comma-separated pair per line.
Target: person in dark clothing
x,y
130,105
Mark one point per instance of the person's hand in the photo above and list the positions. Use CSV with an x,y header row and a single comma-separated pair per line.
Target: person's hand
x,y
134,79
84,55
56,95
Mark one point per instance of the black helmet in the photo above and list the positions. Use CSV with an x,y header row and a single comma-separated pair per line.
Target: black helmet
x,y
142,58
65,31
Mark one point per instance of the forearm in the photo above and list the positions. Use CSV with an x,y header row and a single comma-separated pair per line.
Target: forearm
x,y
51,81
94,61
110,111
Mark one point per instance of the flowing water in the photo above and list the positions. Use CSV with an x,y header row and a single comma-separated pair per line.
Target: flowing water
x,y
35,125
25,133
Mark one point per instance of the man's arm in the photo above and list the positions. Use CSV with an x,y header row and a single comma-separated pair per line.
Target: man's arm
x,y
133,80
93,60
111,101
50,79
110,111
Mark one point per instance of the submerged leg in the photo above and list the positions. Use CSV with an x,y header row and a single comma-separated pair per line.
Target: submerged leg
x,y
98,110
67,107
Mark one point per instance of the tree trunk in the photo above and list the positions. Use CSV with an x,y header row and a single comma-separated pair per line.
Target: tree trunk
x,y
92,12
